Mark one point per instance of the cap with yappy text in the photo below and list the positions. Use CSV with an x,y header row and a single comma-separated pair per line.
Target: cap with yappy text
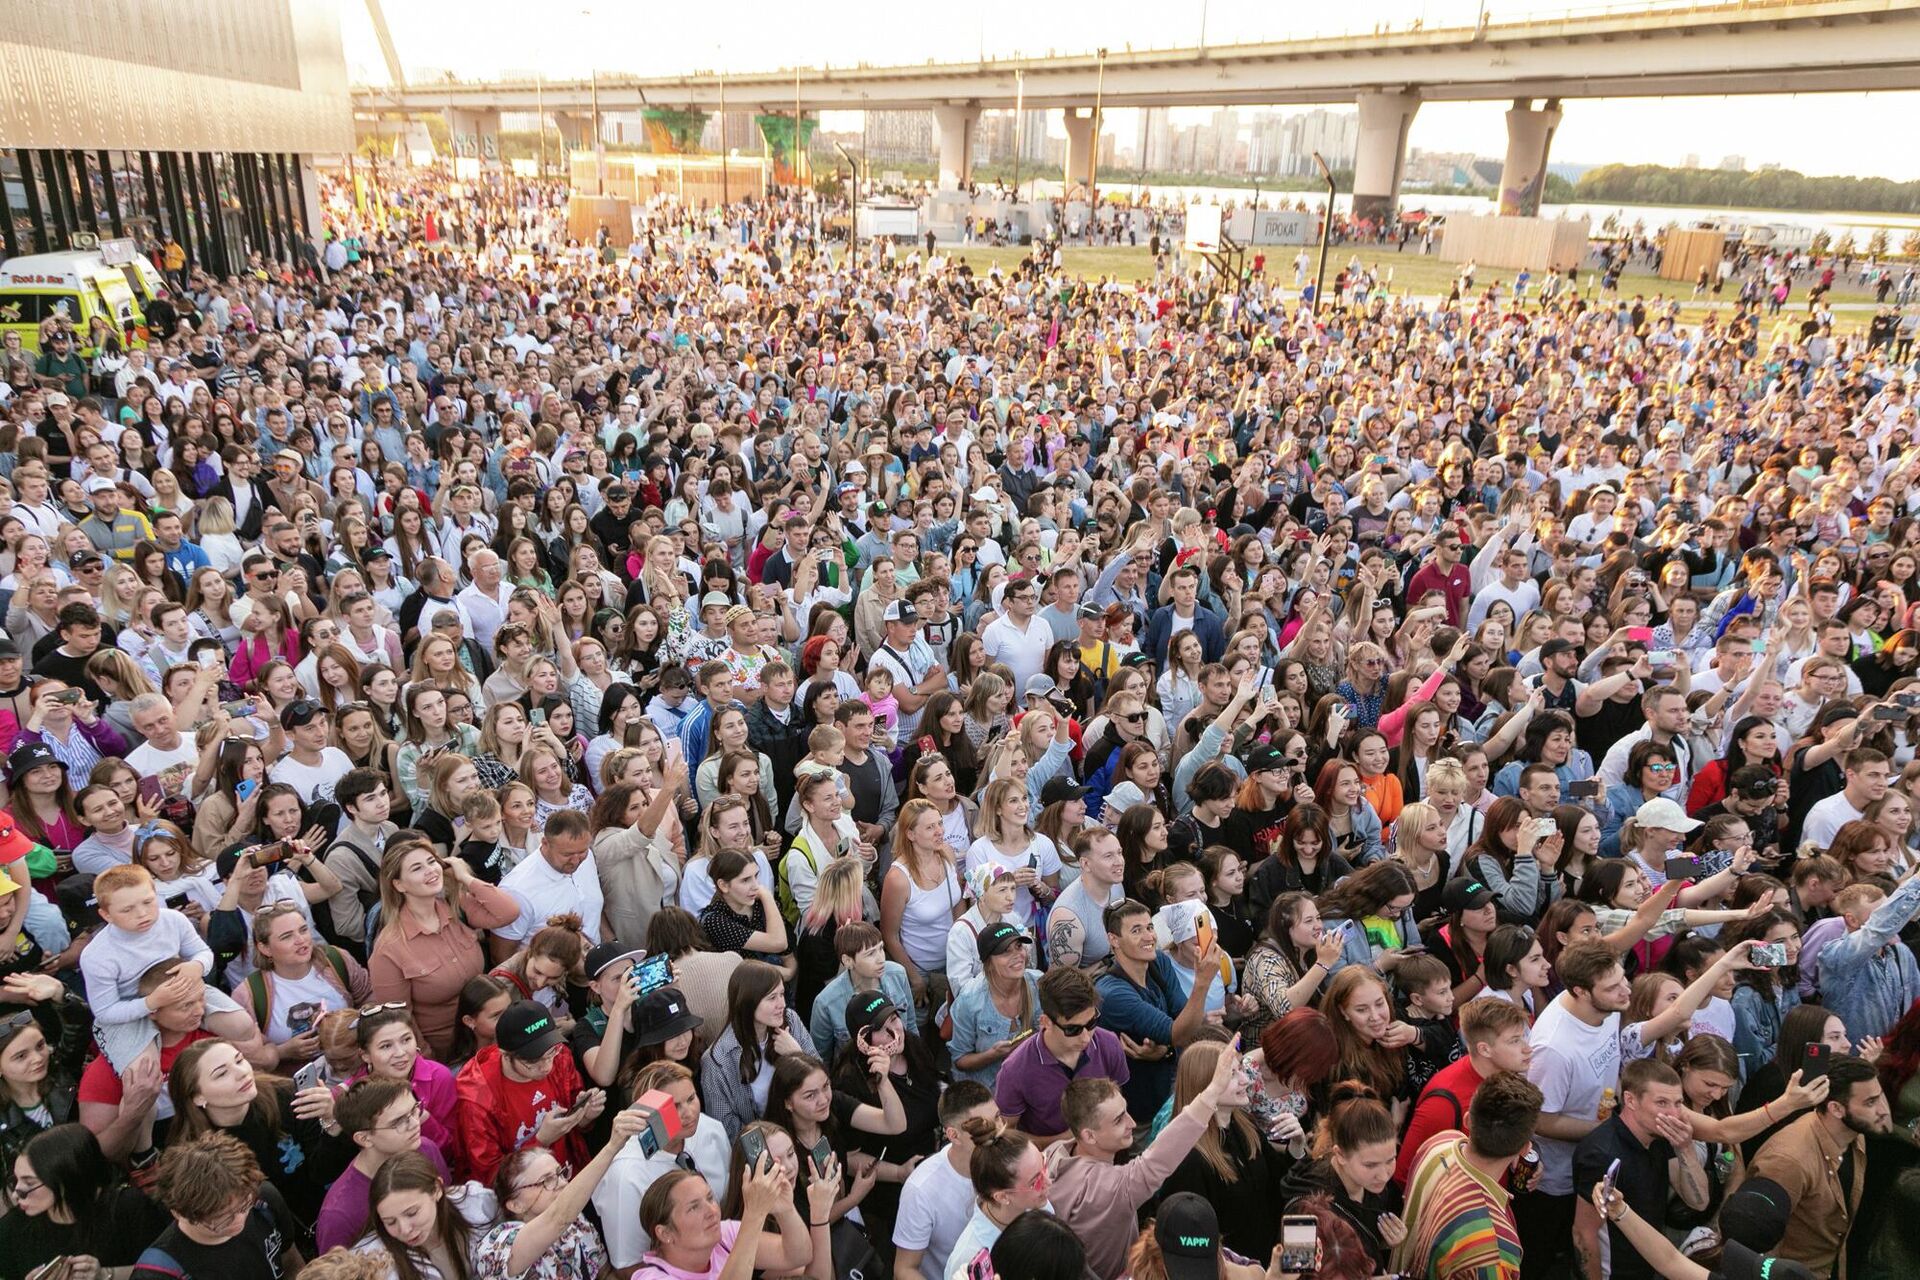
x,y
527,1031
1187,1229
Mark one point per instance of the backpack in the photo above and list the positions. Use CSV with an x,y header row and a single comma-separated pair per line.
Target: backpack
x,y
1098,677
1099,782
782,891
261,1000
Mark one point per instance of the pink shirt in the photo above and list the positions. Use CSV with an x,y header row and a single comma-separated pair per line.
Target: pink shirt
x,y
654,1267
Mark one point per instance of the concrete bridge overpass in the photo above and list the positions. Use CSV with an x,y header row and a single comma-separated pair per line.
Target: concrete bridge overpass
x,y
1759,46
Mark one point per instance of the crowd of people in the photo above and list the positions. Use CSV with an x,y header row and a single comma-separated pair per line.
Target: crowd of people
x,y
732,756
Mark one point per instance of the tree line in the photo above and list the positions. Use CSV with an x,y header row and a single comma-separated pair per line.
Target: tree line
x,y
1764,189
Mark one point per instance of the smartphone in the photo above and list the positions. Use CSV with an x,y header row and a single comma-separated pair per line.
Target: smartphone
x,y
579,1101
752,1147
650,974
150,789
244,707
1813,1062
267,855
1299,1242
1544,828
1908,699
1889,713
1759,644
537,716
1681,867
1586,789
1661,658
68,697
245,788
177,902
822,1156
1202,935
1613,1172
1769,955
1640,635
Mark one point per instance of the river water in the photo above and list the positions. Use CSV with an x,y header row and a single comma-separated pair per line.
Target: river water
x,y
1626,217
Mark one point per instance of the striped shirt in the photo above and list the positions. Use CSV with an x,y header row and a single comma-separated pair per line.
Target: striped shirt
x,y
1459,1226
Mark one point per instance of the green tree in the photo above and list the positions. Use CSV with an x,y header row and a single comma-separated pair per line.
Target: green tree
x,y
1877,242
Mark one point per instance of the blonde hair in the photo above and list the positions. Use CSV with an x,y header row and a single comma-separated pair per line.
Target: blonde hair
x,y
215,516
988,824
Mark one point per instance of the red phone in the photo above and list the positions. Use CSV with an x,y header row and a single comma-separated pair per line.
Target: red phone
x,y
1640,635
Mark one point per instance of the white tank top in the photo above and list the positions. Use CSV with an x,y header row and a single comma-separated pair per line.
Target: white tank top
x,y
927,917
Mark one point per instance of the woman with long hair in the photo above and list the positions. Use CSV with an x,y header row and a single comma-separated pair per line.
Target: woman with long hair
x,y
1763,997
1420,845
920,894
42,1050
1755,742
1352,1166
760,1031
943,732
434,913
68,1204
1359,1004
1352,822
1303,859
1291,959
214,1089
1007,839
1376,905
1231,1165
1516,861
1517,968
420,1226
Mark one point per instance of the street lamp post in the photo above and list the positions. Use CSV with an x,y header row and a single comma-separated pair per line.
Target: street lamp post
x,y
1093,145
853,216
1326,233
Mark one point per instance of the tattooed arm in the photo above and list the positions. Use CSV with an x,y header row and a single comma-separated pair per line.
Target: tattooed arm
x,y
1066,939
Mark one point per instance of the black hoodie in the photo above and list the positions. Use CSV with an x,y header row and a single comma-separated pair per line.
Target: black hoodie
x,y
1316,1177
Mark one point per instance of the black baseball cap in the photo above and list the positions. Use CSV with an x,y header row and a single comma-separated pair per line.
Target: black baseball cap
x,y
993,940
1555,647
304,711
1465,894
611,953
867,1010
527,1030
1188,1231
661,1015
1060,787
8,649
1265,756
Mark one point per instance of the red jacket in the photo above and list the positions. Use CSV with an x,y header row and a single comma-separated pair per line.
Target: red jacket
x,y
498,1116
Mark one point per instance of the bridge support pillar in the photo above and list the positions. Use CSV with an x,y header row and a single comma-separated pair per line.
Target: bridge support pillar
x,y
955,123
1523,178
475,134
1385,119
576,132
1081,143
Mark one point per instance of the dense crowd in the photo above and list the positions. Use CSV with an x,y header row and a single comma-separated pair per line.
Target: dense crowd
x,y
738,755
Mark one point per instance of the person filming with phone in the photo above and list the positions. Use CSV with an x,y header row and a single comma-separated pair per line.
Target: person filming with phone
x,y
524,1090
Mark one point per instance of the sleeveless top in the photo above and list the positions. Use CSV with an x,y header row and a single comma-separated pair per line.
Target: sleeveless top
x,y
926,919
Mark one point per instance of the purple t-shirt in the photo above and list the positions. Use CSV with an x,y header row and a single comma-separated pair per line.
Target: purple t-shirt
x,y
1032,1081
344,1216
654,1267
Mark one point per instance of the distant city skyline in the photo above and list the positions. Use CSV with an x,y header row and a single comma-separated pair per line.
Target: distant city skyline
x,y
1813,133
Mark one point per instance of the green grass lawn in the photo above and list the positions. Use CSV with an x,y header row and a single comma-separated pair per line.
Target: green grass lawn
x,y
1412,274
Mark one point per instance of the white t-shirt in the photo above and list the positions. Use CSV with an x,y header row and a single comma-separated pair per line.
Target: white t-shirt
x,y
1715,1017
310,996
633,1171
1024,652
174,768
1039,854
282,886
313,782
1825,819
935,1204
543,892
1573,1064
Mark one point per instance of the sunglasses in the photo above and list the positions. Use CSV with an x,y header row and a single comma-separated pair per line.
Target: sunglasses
x,y
1132,717
391,1006
1073,1030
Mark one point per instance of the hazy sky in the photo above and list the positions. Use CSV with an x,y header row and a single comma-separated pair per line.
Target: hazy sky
x,y
1815,133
